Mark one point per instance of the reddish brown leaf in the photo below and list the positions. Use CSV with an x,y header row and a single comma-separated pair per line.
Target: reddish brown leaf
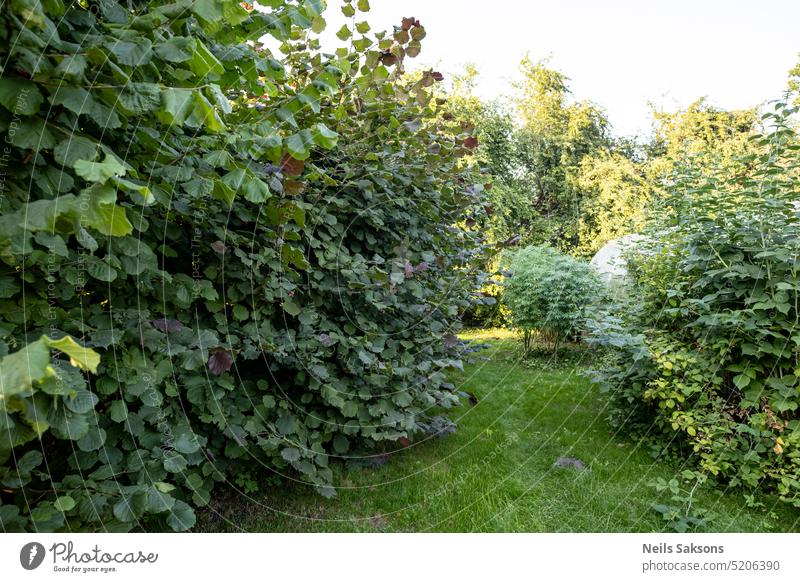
x,y
388,59
471,222
437,76
403,442
408,270
219,362
290,166
471,142
408,23
423,266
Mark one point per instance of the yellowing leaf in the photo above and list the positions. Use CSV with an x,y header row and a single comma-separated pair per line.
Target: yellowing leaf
x,y
80,357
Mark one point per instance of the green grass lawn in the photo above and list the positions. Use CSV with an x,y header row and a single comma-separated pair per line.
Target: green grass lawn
x,y
496,473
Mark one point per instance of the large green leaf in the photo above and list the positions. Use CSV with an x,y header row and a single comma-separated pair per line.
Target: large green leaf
x,y
99,171
82,101
203,62
140,97
18,371
136,52
73,149
32,134
203,114
101,212
176,104
20,96
177,49
181,517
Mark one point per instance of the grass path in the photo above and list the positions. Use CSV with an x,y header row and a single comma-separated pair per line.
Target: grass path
x,y
496,473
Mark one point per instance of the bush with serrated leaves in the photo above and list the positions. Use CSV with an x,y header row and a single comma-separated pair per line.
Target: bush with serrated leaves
x,y
240,259
548,293
704,352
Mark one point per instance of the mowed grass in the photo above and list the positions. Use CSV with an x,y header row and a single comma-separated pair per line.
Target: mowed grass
x,y
496,472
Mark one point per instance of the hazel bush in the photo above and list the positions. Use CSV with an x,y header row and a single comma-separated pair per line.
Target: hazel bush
x,y
222,260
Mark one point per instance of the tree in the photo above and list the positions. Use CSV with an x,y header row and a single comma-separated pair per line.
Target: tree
x,y
616,191
556,134
621,184
717,138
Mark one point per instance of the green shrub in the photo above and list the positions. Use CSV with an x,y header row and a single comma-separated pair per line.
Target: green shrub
x,y
706,355
549,292
259,298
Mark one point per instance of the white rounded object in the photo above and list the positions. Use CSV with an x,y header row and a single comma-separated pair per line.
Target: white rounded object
x,y
609,261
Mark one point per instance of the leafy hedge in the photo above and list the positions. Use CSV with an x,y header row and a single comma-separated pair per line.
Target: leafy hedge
x,y
244,261
706,353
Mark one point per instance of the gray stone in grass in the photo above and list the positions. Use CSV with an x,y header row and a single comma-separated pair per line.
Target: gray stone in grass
x,y
378,522
570,463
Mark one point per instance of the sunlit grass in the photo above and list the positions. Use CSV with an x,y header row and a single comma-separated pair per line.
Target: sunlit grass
x,y
496,473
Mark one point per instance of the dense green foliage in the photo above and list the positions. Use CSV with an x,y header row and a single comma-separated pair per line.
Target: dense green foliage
x,y
549,292
558,175
705,355
232,257
496,473
616,193
620,186
533,149
250,296
598,188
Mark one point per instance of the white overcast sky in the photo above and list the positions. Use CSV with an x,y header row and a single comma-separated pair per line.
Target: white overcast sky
x,y
620,54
